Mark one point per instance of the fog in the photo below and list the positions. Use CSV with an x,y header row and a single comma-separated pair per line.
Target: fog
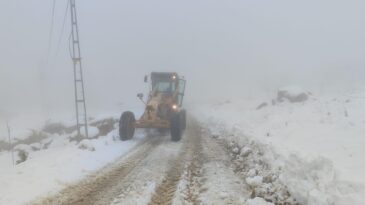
x,y
224,49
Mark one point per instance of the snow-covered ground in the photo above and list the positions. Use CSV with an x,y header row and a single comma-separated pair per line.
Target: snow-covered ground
x,y
314,147
319,143
54,163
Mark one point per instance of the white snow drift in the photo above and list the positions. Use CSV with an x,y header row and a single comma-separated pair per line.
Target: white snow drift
x,y
317,142
54,163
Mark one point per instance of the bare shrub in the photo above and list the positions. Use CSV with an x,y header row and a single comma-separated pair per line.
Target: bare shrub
x,y
105,126
23,156
58,128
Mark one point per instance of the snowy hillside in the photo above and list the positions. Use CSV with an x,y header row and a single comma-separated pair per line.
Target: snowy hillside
x,y
57,161
318,142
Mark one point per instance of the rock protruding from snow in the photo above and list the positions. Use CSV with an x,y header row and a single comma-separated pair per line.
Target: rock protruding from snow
x,y
293,94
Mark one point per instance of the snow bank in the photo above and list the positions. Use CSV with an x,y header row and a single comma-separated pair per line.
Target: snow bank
x,y
319,145
87,145
317,178
58,163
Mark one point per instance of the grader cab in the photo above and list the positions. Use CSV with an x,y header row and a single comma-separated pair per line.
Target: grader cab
x,y
163,108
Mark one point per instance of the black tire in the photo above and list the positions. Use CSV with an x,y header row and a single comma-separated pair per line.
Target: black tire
x,y
175,127
183,119
126,126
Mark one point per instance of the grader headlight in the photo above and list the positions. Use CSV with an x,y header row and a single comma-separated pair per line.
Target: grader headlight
x,y
174,107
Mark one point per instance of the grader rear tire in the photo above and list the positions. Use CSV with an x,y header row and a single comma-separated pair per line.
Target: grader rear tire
x,y
126,126
176,127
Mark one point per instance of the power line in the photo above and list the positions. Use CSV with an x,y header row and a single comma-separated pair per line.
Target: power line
x,y
62,30
50,37
46,63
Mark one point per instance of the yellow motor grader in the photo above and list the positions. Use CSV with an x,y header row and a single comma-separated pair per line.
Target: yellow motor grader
x,y
163,109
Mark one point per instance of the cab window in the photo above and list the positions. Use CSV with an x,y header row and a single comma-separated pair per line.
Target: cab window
x,y
166,87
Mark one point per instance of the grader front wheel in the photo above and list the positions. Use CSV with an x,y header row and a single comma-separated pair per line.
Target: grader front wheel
x,y
126,126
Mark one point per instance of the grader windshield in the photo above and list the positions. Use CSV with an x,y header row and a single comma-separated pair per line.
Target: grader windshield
x,y
164,82
169,84
164,87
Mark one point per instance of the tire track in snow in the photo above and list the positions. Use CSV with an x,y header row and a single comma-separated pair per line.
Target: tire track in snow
x,y
198,170
166,191
190,185
140,184
209,179
103,186
222,185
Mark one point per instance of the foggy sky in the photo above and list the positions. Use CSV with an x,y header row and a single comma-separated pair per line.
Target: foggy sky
x,y
224,48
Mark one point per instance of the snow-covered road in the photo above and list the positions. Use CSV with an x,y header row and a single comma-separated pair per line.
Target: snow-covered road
x,y
197,170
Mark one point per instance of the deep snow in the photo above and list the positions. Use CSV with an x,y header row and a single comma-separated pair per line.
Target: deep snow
x,y
317,143
50,169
